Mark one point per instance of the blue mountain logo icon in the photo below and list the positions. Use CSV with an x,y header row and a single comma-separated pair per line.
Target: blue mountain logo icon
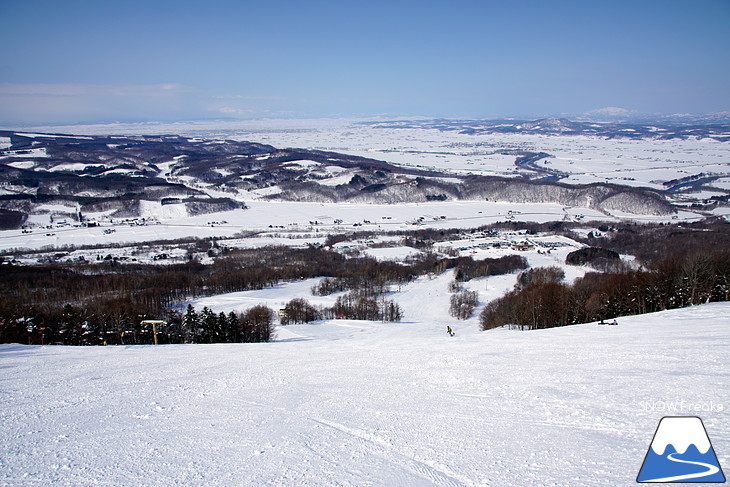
x,y
681,452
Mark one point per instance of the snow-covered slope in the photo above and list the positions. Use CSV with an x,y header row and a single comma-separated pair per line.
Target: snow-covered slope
x,y
360,403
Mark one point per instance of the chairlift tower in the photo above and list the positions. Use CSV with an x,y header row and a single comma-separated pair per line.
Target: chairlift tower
x,y
154,324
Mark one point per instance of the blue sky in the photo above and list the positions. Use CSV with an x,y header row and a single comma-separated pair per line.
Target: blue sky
x,y
83,61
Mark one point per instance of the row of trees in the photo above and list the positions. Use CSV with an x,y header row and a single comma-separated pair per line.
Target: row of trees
x,y
679,280
376,283
467,268
75,326
651,242
356,307
351,306
254,325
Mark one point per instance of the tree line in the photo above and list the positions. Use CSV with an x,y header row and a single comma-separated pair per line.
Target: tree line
x,y
76,326
349,306
254,325
542,300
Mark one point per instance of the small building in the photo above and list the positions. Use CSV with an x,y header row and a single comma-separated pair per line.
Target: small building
x,y
523,247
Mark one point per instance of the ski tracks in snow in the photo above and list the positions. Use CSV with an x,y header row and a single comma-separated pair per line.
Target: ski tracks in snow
x,y
436,474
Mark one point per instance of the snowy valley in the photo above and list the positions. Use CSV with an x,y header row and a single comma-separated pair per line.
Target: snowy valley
x,y
596,221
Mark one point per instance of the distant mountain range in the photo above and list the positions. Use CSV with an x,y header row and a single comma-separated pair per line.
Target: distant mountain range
x,y
715,127
115,175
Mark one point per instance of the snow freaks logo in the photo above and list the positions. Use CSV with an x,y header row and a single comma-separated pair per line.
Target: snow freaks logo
x,y
681,407
681,452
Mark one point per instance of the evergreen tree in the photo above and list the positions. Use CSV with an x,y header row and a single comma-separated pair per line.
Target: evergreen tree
x,y
226,334
191,325
210,326
234,327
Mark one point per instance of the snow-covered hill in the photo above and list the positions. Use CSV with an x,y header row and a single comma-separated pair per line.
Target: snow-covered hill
x,y
119,176
351,403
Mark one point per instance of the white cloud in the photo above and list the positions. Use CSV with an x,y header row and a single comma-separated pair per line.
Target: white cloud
x,y
41,103
229,110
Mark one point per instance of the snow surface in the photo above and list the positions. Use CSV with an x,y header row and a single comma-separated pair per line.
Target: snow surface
x,y
349,403
27,153
303,163
71,167
392,253
22,164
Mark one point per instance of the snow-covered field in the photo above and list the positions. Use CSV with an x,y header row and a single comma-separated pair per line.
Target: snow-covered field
x,y
361,403
293,219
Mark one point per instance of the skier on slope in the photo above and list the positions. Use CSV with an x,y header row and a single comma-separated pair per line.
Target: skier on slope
x,y
449,331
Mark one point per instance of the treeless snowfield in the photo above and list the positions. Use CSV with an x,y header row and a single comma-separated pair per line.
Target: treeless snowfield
x,y
348,403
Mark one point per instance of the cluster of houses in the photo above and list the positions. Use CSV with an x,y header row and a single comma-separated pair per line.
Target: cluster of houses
x,y
518,242
57,222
